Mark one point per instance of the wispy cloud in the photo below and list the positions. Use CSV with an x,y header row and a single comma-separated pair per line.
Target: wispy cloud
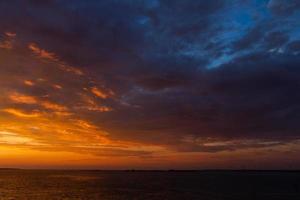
x,y
20,113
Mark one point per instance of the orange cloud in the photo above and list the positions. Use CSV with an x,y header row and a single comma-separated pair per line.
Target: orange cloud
x,y
53,106
52,57
85,124
20,113
25,99
29,83
63,113
71,69
41,52
8,137
20,98
10,34
8,42
57,86
101,93
93,106
6,45
99,108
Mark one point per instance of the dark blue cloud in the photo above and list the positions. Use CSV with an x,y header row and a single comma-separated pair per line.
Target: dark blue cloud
x,y
282,7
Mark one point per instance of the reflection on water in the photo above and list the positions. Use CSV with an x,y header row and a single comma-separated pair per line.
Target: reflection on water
x,y
77,177
115,185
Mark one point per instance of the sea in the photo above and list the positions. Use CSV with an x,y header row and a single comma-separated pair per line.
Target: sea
x,y
18,184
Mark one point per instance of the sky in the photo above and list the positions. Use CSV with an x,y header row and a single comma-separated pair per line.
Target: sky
x,y
150,84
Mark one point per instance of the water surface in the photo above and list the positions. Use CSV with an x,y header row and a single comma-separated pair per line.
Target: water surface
x,y
148,185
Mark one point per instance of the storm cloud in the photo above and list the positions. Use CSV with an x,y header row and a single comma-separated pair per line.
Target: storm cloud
x,y
189,76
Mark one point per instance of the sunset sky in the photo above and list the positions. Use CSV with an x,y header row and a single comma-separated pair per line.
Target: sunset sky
x,y
150,84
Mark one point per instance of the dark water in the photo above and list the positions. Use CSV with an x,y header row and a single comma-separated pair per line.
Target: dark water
x,y
114,185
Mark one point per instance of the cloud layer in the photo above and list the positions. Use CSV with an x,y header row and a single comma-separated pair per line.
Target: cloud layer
x,y
148,77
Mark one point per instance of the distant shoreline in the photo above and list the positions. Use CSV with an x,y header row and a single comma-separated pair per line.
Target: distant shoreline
x,y
140,170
